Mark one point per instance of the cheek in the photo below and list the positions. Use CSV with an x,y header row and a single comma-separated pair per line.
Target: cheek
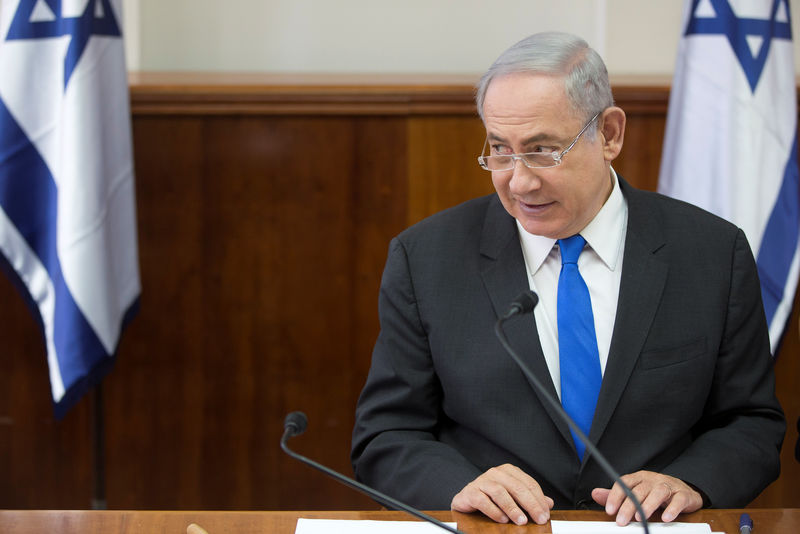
x,y
580,199
501,181
571,198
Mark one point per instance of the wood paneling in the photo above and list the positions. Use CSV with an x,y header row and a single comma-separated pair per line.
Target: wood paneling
x,y
774,521
443,165
265,208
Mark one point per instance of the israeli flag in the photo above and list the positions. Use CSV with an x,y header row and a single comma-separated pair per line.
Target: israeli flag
x,y
731,140
67,206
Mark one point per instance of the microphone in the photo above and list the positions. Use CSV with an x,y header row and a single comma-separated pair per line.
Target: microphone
x,y
525,303
295,424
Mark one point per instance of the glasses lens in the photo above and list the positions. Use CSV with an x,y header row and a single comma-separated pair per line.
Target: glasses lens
x,y
499,163
531,160
540,159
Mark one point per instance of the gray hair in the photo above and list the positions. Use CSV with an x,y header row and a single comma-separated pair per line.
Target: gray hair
x,y
556,54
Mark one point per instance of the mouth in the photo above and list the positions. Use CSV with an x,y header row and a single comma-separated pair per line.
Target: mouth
x,y
533,209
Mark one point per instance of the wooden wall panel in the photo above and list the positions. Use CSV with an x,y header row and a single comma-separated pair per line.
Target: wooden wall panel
x,y
443,165
257,314
640,158
381,196
265,211
160,373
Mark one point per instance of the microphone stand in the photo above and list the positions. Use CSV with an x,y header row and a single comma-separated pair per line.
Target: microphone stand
x,y
524,306
295,424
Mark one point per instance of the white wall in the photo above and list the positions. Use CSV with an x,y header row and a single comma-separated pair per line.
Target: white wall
x,y
390,36
346,35
451,36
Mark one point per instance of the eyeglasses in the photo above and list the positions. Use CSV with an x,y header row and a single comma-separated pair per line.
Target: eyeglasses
x,y
532,160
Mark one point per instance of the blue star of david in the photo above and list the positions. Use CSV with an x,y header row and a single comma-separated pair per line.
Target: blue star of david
x,y
738,29
79,28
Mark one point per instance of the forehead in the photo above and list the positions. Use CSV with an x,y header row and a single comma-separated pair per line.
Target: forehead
x,y
523,98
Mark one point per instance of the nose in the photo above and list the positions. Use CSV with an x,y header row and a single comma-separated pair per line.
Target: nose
x,y
523,179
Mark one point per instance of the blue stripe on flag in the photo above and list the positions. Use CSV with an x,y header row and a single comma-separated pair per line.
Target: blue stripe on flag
x,y
779,243
79,28
728,24
737,30
28,195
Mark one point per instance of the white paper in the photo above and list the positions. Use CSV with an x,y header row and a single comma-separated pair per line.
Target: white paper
x,y
342,526
609,527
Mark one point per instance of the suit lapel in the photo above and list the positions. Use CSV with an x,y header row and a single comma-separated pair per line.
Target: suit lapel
x,y
643,279
505,277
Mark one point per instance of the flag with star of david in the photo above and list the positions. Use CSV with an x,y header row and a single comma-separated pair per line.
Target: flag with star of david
x,y
731,140
67,206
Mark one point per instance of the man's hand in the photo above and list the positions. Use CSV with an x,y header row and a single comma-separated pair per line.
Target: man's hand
x,y
654,491
503,493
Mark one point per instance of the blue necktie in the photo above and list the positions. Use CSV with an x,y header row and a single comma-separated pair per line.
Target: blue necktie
x,y
577,342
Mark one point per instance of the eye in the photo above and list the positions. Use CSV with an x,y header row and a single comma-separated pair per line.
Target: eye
x,y
501,150
539,149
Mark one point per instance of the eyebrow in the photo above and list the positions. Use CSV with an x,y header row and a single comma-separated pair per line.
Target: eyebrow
x,y
530,140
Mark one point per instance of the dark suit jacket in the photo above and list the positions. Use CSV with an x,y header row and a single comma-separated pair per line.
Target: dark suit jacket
x,y
688,389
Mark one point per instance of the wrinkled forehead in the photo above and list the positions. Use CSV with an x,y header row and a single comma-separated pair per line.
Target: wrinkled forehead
x,y
530,103
526,95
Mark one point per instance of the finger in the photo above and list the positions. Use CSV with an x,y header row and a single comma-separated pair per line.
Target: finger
x,y
515,493
627,509
660,495
675,507
626,512
472,499
683,501
501,495
600,495
526,493
505,493
617,495
195,529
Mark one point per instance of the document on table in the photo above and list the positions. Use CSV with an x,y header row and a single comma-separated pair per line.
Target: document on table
x,y
343,526
609,527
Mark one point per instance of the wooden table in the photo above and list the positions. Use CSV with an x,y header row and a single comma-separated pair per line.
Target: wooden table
x,y
767,521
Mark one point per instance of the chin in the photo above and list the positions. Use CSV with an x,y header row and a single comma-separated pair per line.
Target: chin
x,y
536,228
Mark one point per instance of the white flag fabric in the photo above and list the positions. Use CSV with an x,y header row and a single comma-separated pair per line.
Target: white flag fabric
x,y
731,140
67,205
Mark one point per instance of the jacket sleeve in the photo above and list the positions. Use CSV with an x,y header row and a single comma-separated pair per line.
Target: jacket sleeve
x,y
736,450
395,447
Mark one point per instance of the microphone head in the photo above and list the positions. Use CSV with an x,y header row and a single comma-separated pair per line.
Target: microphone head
x,y
525,302
297,422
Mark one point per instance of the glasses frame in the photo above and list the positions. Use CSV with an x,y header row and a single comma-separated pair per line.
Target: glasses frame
x,y
483,160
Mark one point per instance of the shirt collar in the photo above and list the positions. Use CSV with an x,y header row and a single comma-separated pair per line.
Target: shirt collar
x,y
604,233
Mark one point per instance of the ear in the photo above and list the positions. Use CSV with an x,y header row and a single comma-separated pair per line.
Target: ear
x,y
613,130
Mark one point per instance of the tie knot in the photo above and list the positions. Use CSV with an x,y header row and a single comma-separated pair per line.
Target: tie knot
x,y
571,248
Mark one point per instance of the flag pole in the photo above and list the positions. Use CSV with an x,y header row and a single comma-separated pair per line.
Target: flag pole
x,y
98,450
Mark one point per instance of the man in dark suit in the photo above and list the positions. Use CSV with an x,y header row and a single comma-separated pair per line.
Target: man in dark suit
x,y
669,373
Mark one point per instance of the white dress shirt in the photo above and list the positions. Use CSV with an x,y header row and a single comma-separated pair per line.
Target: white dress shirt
x,y
600,265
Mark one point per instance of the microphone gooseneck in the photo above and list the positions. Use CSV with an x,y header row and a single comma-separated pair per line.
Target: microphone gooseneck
x,y
525,303
295,424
